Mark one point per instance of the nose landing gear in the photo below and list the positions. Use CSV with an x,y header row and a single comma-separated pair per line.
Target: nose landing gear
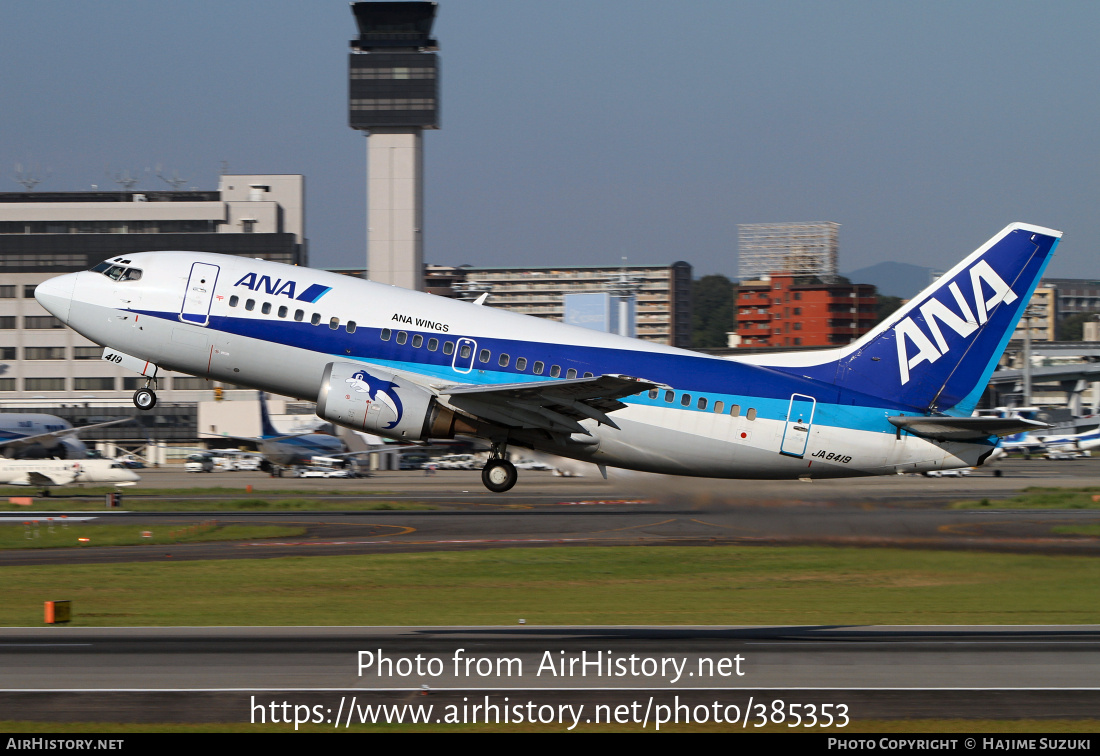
x,y
145,398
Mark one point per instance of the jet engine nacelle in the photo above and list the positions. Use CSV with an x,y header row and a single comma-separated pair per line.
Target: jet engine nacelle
x,y
377,401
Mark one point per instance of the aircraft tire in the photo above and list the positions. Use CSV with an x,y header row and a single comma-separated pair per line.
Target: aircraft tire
x,y
499,475
145,399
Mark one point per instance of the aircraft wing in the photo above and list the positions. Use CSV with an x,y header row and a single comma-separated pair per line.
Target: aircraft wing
x,y
555,406
944,428
40,437
38,478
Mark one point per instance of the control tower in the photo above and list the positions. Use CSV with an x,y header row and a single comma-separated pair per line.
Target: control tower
x,y
393,95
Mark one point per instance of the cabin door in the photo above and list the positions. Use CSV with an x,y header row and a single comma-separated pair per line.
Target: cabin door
x,y
464,355
199,294
800,418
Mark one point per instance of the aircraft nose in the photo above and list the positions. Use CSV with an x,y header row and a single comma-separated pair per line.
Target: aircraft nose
x,y
56,295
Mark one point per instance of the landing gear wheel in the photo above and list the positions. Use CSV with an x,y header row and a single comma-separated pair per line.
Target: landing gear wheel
x,y
499,475
145,399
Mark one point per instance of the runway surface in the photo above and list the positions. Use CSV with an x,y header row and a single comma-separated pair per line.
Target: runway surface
x,y
218,674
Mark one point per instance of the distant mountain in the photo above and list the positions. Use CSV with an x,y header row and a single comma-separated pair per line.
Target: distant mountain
x,y
893,278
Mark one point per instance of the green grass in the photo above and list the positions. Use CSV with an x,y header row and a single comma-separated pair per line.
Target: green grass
x,y
1085,530
1041,498
56,535
722,585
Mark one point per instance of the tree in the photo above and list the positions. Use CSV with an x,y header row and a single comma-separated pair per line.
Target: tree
x,y
1073,327
886,307
711,311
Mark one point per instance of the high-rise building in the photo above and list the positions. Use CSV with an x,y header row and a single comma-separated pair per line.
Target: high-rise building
x,y
801,249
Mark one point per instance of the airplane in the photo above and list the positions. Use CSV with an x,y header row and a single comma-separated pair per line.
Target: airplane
x,y
36,436
288,448
56,472
305,448
1073,442
413,366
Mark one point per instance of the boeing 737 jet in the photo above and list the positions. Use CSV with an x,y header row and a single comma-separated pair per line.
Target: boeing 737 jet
x,y
412,366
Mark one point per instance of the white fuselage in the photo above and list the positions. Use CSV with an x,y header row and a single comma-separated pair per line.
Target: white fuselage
x,y
60,472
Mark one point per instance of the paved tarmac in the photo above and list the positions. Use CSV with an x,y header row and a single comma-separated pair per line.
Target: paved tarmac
x,y
219,674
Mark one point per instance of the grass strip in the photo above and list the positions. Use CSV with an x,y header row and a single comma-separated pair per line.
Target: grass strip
x,y
631,585
1041,498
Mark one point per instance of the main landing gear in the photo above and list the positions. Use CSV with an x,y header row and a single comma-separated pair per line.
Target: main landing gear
x,y
145,398
499,474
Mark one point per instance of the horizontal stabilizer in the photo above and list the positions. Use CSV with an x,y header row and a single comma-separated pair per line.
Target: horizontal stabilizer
x,y
943,428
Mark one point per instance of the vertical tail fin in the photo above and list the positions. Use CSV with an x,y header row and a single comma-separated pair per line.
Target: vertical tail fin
x,y
267,430
937,352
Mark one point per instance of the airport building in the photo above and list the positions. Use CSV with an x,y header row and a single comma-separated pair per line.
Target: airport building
x,y
43,234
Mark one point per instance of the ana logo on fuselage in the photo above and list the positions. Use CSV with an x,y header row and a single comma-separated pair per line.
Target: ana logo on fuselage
x,y
280,288
963,322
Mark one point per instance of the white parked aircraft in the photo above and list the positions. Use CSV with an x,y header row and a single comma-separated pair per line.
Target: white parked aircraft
x,y
37,436
413,366
45,473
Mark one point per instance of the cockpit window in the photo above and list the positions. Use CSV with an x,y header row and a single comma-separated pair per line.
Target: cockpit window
x,y
118,272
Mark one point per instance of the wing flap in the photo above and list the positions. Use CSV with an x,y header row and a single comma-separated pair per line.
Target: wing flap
x,y
557,406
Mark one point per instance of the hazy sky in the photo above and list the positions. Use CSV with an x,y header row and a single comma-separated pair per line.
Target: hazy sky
x,y
579,132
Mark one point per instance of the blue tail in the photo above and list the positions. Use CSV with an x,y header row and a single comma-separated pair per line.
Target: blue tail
x,y
937,352
267,430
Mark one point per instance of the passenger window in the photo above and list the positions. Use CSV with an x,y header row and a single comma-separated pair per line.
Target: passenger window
x,y
282,311
685,400
588,375
386,333
555,371
351,326
334,323
702,404
718,407
418,341
537,370
250,304
316,319
503,360
233,300
669,396
735,410
571,373
521,364
299,314
484,356
266,308
465,352
402,337
751,414
653,393
433,344
449,347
